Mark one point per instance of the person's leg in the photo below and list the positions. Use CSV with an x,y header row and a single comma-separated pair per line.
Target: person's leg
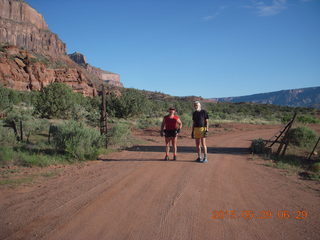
x,y
204,145
174,146
167,147
198,147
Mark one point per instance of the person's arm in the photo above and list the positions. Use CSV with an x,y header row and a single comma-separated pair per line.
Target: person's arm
x,y
207,121
180,123
192,133
193,122
162,127
207,125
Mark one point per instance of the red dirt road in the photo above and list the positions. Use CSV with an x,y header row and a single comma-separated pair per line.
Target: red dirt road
x,y
134,195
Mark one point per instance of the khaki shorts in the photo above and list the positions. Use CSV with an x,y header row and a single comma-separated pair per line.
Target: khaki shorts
x,y
199,132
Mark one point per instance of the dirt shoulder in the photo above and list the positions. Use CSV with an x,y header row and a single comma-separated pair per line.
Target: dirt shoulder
x,y
133,194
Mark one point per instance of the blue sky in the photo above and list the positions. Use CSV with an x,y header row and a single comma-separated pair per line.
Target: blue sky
x,y
216,48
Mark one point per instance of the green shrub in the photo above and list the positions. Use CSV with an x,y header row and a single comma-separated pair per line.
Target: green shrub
x,y
6,156
119,135
315,167
289,162
17,114
27,159
30,124
78,140
302,136
131,103
307,119
186,120
258,146
34,126
5,102
57,100
144,123
79,113
9,156
7,136
93,118
10,97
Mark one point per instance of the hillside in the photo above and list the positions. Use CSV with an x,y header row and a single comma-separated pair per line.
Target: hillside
x,y
303,97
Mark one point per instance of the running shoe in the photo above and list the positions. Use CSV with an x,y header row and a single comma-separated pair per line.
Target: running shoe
x,y
166,158
174,158
199,159
205,160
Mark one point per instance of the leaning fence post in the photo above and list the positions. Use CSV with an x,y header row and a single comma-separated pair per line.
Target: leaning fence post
x,y
285,140
315,146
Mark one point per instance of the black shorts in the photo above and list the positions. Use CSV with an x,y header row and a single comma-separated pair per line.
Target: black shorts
x,y
170,133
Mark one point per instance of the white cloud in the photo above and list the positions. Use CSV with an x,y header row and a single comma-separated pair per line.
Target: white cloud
x,y
215,14
264,9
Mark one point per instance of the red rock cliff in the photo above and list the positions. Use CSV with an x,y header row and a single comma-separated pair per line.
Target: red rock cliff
x,y
22,70
23,26
31,56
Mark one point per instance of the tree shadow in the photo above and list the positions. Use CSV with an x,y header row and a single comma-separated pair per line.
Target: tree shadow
x,y
34,149
187,149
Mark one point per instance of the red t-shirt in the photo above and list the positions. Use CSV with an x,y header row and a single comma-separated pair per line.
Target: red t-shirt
x,y
171,123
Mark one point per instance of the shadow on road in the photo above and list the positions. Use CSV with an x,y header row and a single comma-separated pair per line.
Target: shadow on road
x,y
144,160
185,149
181,149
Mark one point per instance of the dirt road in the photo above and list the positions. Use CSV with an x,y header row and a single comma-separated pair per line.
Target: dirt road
x,y
134,195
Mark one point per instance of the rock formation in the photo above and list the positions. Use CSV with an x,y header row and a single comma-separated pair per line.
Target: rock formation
x,y
79,58
31,56
24,27
21,70
108,77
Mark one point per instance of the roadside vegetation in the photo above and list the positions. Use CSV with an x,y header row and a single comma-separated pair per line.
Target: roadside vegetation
x,y
59,126
302,140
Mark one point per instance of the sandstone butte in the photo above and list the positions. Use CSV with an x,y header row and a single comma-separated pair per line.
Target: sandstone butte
x,y
31,56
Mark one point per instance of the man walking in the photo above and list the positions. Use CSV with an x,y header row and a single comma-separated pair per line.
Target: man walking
x,y
200,130
170,127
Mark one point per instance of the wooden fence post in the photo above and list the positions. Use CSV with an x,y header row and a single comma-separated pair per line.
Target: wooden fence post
x,y
103,116
14,127
285,140
315,146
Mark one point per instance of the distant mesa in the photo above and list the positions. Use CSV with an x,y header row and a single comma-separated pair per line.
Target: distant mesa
x,y
31,56
302,97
